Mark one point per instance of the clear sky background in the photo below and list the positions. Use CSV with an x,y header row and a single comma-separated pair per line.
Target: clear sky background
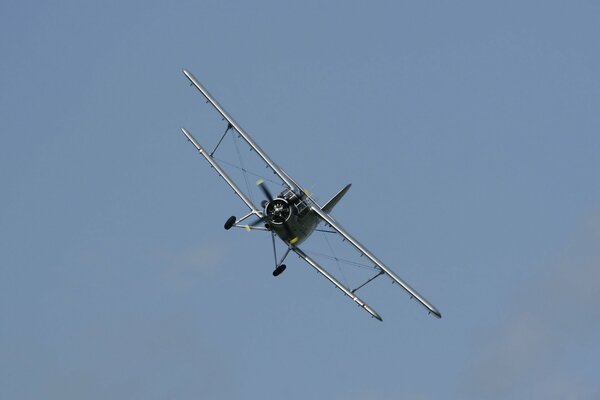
x,y
471,134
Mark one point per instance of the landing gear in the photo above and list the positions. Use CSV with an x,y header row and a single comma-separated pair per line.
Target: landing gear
x,y
279,270
279,266
229,223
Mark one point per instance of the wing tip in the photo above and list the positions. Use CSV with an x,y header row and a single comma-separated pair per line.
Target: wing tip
x,y
373,313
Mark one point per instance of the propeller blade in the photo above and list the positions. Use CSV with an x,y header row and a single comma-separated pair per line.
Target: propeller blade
x,y
265,190
258,221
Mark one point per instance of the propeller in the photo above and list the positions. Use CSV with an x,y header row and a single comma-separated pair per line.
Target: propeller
x,y
277,210
265,190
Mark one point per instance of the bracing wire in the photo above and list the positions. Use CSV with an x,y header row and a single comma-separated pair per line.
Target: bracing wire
x,y
342,260
246,171
337,260
237,149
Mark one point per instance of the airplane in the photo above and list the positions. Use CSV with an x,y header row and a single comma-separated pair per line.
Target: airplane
x,y
293,215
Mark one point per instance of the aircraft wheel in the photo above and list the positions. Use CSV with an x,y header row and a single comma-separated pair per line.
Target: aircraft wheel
x,y
279,270
229,223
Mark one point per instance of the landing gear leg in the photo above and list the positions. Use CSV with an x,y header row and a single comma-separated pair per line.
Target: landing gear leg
x,y
279,267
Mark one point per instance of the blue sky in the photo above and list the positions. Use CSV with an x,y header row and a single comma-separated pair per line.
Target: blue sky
x,y
470,132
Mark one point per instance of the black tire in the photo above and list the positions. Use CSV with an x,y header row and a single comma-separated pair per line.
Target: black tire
x,y
279,270
229,223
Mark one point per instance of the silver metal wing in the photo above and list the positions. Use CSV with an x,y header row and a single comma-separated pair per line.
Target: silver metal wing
x,y
253,209
335,282
233,124
386,270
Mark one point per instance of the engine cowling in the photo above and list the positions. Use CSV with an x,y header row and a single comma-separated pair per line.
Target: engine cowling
x,y
278,211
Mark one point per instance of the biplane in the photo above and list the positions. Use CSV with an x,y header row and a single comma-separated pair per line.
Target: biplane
x,y
293,215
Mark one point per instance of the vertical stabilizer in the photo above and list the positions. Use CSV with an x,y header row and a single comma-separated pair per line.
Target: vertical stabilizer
x,y
335,199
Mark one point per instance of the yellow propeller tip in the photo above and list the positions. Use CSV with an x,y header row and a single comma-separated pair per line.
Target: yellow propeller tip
x,y
260,181
294,240
247,227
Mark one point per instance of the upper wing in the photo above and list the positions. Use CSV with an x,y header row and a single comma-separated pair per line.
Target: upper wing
x,y
338,228
270,163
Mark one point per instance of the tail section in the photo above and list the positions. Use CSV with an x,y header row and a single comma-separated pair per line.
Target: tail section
x,y
335,199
